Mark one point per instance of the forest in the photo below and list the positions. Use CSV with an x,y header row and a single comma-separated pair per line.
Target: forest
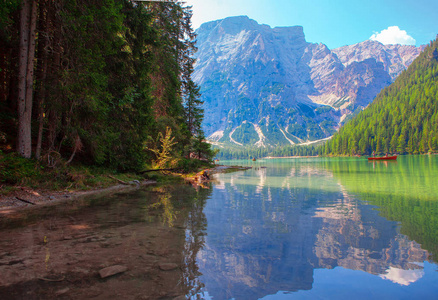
x,y
402,119
226,153
100,83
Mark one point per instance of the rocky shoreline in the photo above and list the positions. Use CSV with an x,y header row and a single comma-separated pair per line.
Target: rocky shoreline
x,y
26,197
78,251
118,246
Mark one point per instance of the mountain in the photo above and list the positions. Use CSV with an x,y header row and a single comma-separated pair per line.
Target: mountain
x,y
403,118
268,86
395,58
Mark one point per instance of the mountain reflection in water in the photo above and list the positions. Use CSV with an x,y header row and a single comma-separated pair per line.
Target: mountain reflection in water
x,y
297,229
272,229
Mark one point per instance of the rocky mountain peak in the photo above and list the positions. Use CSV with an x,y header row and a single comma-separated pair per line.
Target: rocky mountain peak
x,y
231,25
268,86
395,58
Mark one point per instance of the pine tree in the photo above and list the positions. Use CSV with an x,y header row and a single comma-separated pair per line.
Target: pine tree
x,y
110,75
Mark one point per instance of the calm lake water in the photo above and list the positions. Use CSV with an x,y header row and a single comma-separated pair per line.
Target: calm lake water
x,y
315,228
319,228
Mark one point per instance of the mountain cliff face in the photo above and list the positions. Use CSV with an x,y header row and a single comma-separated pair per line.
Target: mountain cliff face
x,y
395,58
403,118
267,86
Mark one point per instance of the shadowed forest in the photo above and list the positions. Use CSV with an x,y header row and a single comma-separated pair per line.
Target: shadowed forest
x,y
100,83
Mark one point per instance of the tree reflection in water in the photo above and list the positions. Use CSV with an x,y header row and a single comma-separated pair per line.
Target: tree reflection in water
x,y
155,232
165,205
196,227
187,202
275,229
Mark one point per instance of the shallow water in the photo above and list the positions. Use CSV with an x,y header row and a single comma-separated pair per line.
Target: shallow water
x,y
322,228
56,252
311,228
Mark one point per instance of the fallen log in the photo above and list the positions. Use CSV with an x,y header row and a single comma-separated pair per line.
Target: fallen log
x,y
121,181
152,170
25,201
52,280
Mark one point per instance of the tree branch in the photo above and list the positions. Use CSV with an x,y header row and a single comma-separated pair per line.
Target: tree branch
x,y
25,201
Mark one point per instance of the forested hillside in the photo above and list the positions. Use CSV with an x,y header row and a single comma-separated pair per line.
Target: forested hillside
x,y
98,81
403,118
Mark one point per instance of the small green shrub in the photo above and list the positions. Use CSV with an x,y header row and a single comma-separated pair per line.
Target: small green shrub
x,y
189,165
193,165
14,168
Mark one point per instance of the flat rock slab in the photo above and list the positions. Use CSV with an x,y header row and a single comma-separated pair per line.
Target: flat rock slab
x,y
167,266
113,270
61,292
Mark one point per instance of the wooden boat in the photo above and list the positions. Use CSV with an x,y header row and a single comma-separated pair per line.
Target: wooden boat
x,y
393,157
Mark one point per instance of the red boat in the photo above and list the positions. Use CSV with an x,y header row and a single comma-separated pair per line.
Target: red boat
x,y
394,157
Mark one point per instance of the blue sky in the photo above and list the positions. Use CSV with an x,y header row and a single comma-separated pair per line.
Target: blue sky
x,y
334,22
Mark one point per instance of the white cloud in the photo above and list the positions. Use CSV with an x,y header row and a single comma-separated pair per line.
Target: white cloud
x,y
402,277
393,35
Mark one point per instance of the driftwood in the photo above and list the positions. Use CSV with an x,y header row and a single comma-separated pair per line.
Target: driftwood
x,y
121,181
52,280
25,201
152,170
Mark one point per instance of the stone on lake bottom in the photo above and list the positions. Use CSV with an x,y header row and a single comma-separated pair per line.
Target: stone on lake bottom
x,y
61,292
113,270
167,266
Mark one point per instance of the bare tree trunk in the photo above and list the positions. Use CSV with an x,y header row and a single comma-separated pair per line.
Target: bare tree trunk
x,y
30,76
43,44
55,65
77,147
41,108
23,145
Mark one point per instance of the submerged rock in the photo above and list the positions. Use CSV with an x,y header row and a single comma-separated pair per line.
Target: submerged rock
x,y
113,270
167,266
62,291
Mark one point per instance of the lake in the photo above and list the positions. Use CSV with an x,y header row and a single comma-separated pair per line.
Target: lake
x,y
298,228
323,228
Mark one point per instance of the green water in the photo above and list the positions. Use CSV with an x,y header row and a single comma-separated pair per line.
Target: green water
x,y
307,228
323,228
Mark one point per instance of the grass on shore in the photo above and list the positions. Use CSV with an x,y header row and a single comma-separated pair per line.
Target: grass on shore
x,y
17,172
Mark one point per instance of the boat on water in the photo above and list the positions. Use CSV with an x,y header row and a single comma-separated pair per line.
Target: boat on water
x,y
393,157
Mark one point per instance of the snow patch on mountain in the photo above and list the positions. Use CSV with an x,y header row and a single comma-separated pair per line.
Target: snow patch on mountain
x,y
216,136
290,141
272,77
262,138
233,140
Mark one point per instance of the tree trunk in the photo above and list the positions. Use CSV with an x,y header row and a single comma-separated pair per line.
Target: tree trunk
x,y
41,108
23,144
43,44
30,76
53,116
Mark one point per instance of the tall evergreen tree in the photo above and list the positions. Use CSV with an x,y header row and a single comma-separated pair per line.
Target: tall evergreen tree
x,y
110,75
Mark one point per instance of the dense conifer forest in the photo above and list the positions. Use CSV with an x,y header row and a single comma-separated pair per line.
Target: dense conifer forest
x,y
259,152
104,83
403,118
